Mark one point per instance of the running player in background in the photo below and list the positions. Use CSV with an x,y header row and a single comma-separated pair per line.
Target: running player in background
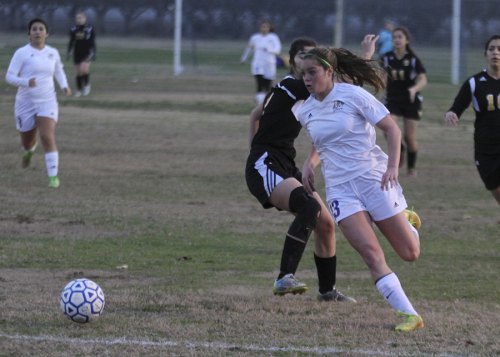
x,y
361,180
273,178
33,69
406,78
82,45
483,90
266,46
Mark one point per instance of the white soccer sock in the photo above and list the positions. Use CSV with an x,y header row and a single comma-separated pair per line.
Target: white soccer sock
x,y
52,163
392,291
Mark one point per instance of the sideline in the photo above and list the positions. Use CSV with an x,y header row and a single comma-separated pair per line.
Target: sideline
x,y
206,345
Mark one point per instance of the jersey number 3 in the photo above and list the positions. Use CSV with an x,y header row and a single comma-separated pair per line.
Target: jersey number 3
x,y
334,208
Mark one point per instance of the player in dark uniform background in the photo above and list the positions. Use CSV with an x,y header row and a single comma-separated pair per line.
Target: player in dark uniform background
x,y
483,90
273,178
406,78
82,45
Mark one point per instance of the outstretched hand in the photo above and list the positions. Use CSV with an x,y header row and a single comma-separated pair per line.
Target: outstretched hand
x,y
368,46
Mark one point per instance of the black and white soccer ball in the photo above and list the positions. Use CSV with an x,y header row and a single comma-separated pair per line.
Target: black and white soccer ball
x,y
82,300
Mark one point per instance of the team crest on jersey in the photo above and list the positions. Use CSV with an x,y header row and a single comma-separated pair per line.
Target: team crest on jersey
x,y
337,105
51,55
406,62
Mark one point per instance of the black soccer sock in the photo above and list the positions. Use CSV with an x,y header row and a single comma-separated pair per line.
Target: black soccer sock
x,y
86,79
412,159
79,82
327,273
290,258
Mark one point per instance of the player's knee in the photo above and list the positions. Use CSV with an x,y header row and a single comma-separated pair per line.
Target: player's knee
x,y
410,254
305,206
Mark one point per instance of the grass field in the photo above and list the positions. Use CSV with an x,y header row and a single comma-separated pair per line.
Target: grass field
x,y
152,178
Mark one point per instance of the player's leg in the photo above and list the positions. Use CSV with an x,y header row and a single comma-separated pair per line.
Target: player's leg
x,y
46,127
78,77
358,231
403,238
410,138
25,114
28,142
325,256
488,167
261,88
496,194
290,195
85,74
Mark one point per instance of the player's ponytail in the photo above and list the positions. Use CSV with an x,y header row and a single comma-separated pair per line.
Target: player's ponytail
x,y
348,67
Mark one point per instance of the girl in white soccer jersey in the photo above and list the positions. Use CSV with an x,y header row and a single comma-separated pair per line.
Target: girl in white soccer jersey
x,y
361,180
265,46
33,69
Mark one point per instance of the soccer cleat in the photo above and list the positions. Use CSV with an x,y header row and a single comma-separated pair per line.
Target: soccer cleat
x,y
413,218
53,181
412,322
288,285
28,154
335,295
78,94
86,90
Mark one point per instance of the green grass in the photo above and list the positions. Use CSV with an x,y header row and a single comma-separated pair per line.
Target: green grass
x,y
152,177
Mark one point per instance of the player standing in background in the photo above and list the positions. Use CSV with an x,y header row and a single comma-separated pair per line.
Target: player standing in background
x,y
33,69
82,45
406,78
265,46
361,180
273,178
483,90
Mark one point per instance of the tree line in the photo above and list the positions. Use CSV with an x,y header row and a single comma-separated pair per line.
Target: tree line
x,y
428,20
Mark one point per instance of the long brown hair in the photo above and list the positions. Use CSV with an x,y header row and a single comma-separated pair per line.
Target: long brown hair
x,y
348,67
487,44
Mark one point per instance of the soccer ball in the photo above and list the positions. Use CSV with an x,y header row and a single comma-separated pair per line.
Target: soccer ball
x,y
82,300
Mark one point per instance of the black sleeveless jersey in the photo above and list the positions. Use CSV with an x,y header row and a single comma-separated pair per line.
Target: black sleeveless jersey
x,y
82,40
401,73
278,127
484,92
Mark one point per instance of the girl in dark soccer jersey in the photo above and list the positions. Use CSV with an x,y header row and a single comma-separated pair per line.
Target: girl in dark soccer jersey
x,y
406,78
82,45
483,90
273,178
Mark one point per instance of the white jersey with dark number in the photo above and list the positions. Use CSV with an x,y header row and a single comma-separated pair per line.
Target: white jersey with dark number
x,y
44,65
342,131
265,49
